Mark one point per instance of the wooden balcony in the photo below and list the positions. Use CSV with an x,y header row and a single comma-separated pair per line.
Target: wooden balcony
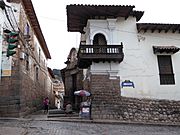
x,y
99,53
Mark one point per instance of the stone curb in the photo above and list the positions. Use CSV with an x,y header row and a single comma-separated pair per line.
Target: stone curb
x,y
97,121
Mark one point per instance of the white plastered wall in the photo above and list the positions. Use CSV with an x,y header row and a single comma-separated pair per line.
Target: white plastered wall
x,y
140,63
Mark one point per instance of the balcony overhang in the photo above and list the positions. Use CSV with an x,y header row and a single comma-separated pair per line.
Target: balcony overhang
x,y
77,15
99,53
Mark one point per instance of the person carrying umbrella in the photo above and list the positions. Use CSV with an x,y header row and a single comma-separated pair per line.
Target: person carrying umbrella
x,y
85,107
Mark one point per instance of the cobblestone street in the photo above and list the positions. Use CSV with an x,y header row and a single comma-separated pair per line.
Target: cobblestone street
x,y
37,127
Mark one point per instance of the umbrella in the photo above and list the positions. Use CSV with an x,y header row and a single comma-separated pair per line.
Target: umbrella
x,y
82,93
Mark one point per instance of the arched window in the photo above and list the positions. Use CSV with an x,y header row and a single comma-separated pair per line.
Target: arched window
x,y
99,39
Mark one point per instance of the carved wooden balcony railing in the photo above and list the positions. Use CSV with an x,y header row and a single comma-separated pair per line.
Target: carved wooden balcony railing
x,y
99,53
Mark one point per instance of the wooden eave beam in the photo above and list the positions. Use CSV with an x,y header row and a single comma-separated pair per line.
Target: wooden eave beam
x,y
176,28
153,29
128,13
168,28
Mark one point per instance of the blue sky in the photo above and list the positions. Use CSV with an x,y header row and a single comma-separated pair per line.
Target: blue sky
x,y
52,18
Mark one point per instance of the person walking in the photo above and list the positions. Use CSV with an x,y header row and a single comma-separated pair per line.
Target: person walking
x,y
46,105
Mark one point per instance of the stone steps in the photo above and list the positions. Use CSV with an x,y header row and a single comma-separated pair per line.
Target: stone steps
x,y
74,115
56,111
60,113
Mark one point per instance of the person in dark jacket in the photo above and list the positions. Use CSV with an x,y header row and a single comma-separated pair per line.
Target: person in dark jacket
x,y
46,105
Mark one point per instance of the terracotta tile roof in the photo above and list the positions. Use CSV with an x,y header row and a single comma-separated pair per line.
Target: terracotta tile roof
x,y
158,26
77,15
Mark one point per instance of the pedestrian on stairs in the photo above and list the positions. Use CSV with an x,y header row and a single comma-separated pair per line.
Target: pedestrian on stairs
x,y
68,109
46,105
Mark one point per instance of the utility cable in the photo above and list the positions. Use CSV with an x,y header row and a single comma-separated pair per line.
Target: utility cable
x,y
7,16
14,16
10,18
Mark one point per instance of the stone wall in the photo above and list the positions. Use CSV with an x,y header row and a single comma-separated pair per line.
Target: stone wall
x,y
9,94
19,94
32,94
108,104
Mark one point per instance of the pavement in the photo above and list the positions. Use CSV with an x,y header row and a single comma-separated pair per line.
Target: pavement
x,y
39,123
40,116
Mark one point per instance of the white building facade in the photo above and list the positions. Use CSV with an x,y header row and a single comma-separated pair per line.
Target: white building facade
x,y
140,64
150,66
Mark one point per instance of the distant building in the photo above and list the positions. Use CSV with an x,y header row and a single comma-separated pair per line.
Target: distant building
x,y
72,78
51,94
58,89
25,79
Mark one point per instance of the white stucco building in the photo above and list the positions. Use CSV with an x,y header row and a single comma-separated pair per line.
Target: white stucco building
x,y
148,66
130,68
140,63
